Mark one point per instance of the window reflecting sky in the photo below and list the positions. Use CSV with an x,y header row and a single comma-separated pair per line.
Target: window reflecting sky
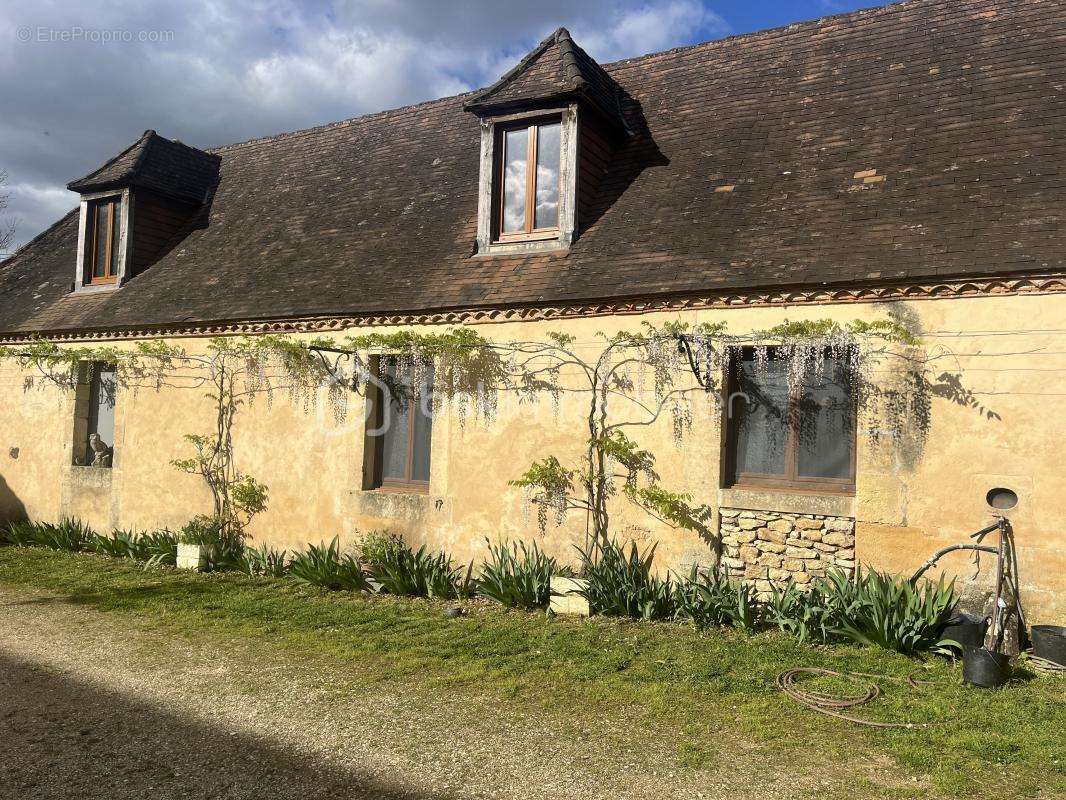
x,y
514,180
547,211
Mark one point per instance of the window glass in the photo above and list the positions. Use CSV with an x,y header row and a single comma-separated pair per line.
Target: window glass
x,y
516,156
760,416
405,442
546,214
423,437
101,239
95,416
796,437
101,254
102,404
394,440
116,220
826,423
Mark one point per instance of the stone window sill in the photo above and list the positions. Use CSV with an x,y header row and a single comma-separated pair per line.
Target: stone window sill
x,y
399,505
99,477
96,288
792,502
497,249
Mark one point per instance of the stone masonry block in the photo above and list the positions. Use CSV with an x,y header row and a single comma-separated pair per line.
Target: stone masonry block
x,y
771,535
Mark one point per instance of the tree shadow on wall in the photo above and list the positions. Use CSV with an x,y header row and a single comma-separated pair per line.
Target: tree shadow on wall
x,y
905,414
12,508
949,386
69,738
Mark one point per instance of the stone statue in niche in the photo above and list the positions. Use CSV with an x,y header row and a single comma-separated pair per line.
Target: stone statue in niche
x,y
101,453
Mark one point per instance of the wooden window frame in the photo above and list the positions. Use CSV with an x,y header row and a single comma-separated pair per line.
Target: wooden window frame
x,y
529,232
790,480
114,223
407,484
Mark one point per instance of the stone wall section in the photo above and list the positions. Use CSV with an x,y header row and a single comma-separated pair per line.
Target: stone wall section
x,y
769,548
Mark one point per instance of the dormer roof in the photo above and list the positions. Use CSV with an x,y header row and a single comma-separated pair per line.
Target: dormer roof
x,y
156,163
556,69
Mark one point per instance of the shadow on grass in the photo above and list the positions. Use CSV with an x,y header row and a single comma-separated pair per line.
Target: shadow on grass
x,y
67,738
123,598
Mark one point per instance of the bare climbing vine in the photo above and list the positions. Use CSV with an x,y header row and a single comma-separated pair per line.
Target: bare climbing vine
x,y
629,381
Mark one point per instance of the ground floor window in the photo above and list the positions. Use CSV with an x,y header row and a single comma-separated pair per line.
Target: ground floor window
x,y
799,436
399,428
94,415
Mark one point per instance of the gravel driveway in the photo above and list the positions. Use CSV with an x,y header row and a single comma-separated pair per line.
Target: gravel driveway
x,y
92,708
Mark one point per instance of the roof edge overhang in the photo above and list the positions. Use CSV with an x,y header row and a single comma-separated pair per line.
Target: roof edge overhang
x,y
960,287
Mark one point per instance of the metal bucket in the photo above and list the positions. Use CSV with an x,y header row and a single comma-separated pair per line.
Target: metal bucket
x,y
967,630
985,668
1049,643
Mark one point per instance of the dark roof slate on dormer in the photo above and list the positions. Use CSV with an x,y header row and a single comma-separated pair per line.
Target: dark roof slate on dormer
x,y
556,69
162,165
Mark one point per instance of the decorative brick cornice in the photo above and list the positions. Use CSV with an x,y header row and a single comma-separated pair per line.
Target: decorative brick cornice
x,y
1048,283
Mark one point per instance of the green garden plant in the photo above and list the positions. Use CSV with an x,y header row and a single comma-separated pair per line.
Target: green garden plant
x,y
325,567
517,575
19,533
374,547
403,571
71,535
804,614
883,610
704,598
620,582
264,560
744,610
117,544
155,548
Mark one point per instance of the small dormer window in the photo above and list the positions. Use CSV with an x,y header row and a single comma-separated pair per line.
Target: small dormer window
x,y
529,180
555,102
102,248
527,190
134,205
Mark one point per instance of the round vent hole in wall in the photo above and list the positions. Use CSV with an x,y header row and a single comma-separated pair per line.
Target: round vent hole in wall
x,y
1001,499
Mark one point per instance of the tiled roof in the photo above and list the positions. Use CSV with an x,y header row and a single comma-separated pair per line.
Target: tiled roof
x,y
159,164
555,68
918,141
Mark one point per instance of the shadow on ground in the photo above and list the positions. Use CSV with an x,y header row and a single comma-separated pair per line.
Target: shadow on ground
x,y
63,738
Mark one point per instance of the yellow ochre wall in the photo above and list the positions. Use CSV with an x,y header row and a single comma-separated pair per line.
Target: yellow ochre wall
x,y
1002,424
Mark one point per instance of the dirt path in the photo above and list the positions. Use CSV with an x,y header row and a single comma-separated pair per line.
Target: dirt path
x,y
92,708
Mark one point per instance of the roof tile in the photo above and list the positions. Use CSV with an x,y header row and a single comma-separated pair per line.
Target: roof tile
x,y
374,215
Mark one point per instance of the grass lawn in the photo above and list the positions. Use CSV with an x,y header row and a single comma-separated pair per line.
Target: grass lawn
x,y
707,692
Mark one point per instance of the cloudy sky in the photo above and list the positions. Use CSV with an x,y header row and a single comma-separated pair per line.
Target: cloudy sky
x,y
78,84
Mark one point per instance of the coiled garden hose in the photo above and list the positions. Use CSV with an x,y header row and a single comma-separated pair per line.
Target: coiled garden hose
x,y
1046,667
831,705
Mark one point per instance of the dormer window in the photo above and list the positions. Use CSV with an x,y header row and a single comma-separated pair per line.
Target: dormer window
x,y
529,180
163,183
102,248
548,129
